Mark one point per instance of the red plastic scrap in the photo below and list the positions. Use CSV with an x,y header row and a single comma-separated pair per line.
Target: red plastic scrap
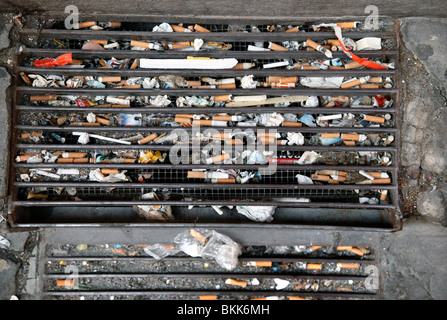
x,y
59,61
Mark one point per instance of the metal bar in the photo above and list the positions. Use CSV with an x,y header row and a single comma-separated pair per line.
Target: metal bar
x,y
204,203
144,110
205,92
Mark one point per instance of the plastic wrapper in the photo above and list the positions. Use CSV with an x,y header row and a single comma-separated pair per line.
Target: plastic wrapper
x,y
160,101
159,251
96,175
322,82
257,213
154,212
163,27
211,245
295,138
254,157
59,61
247,82
309,157
304,179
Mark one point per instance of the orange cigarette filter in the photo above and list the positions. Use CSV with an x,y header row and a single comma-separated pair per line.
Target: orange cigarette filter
x,y
148,138
183,119
276,79
25,157
291,124
103,42
86,24
348,265
103,121
229,180
374,119
196,175
134,64
330,135
234,142
296,298
47,97
227,86
349,143
115,24
24,135
111,79
351,84
314,266
208,297
65,160
140,44
312,44
109,171
381,181
26,79
197,235
344,248
350,136
65,283
223,98
333,42
370,86
178,28
375,80
261,263
315,248
199,28
220,158
198,122
277,47
194,83
239,283
222,118
295,29
383,195
319,177
356,251
80,160
347,25
76,154
353,65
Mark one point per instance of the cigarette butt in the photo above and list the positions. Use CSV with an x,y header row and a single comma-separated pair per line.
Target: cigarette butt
x,y
344,248
65,160
125,160
198,122
65,283
36,134
80,160
234,142
333,42
314,266
148,138
243,66
218,158
319,177
276,47
224,98
134,86
356,251
383,195
85,124
332,172
25,157
120,106
370,86
267,140
74,154
347,25
261,263
223,118
87,24
306,67
282,85
103,121
351,84
315,248
381,181
26,79
312,44
296,298
197,235
239,283
103,42
229,180
349,143
353,65
208,297
295,29
140,44
109,171
134,64
378,175
199,28
115,24
350,136
332,181
339,178
33,195
276,79
196,175
325,135
178,28
374,119
47,97
222,135
375,80
24,135
181,119
348,265
291,124
227,86
111,79
194,83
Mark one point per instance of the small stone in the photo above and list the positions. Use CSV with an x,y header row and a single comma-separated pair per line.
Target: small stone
x,y
432,204
81,247
3,265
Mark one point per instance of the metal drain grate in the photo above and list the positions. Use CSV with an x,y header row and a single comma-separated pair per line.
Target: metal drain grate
x,y
50,203
125,272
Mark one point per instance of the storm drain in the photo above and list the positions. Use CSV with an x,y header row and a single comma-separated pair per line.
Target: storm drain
x,y
121,125
71,272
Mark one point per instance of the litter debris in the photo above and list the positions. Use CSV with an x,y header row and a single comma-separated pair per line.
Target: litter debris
x,y
257,213
4,243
